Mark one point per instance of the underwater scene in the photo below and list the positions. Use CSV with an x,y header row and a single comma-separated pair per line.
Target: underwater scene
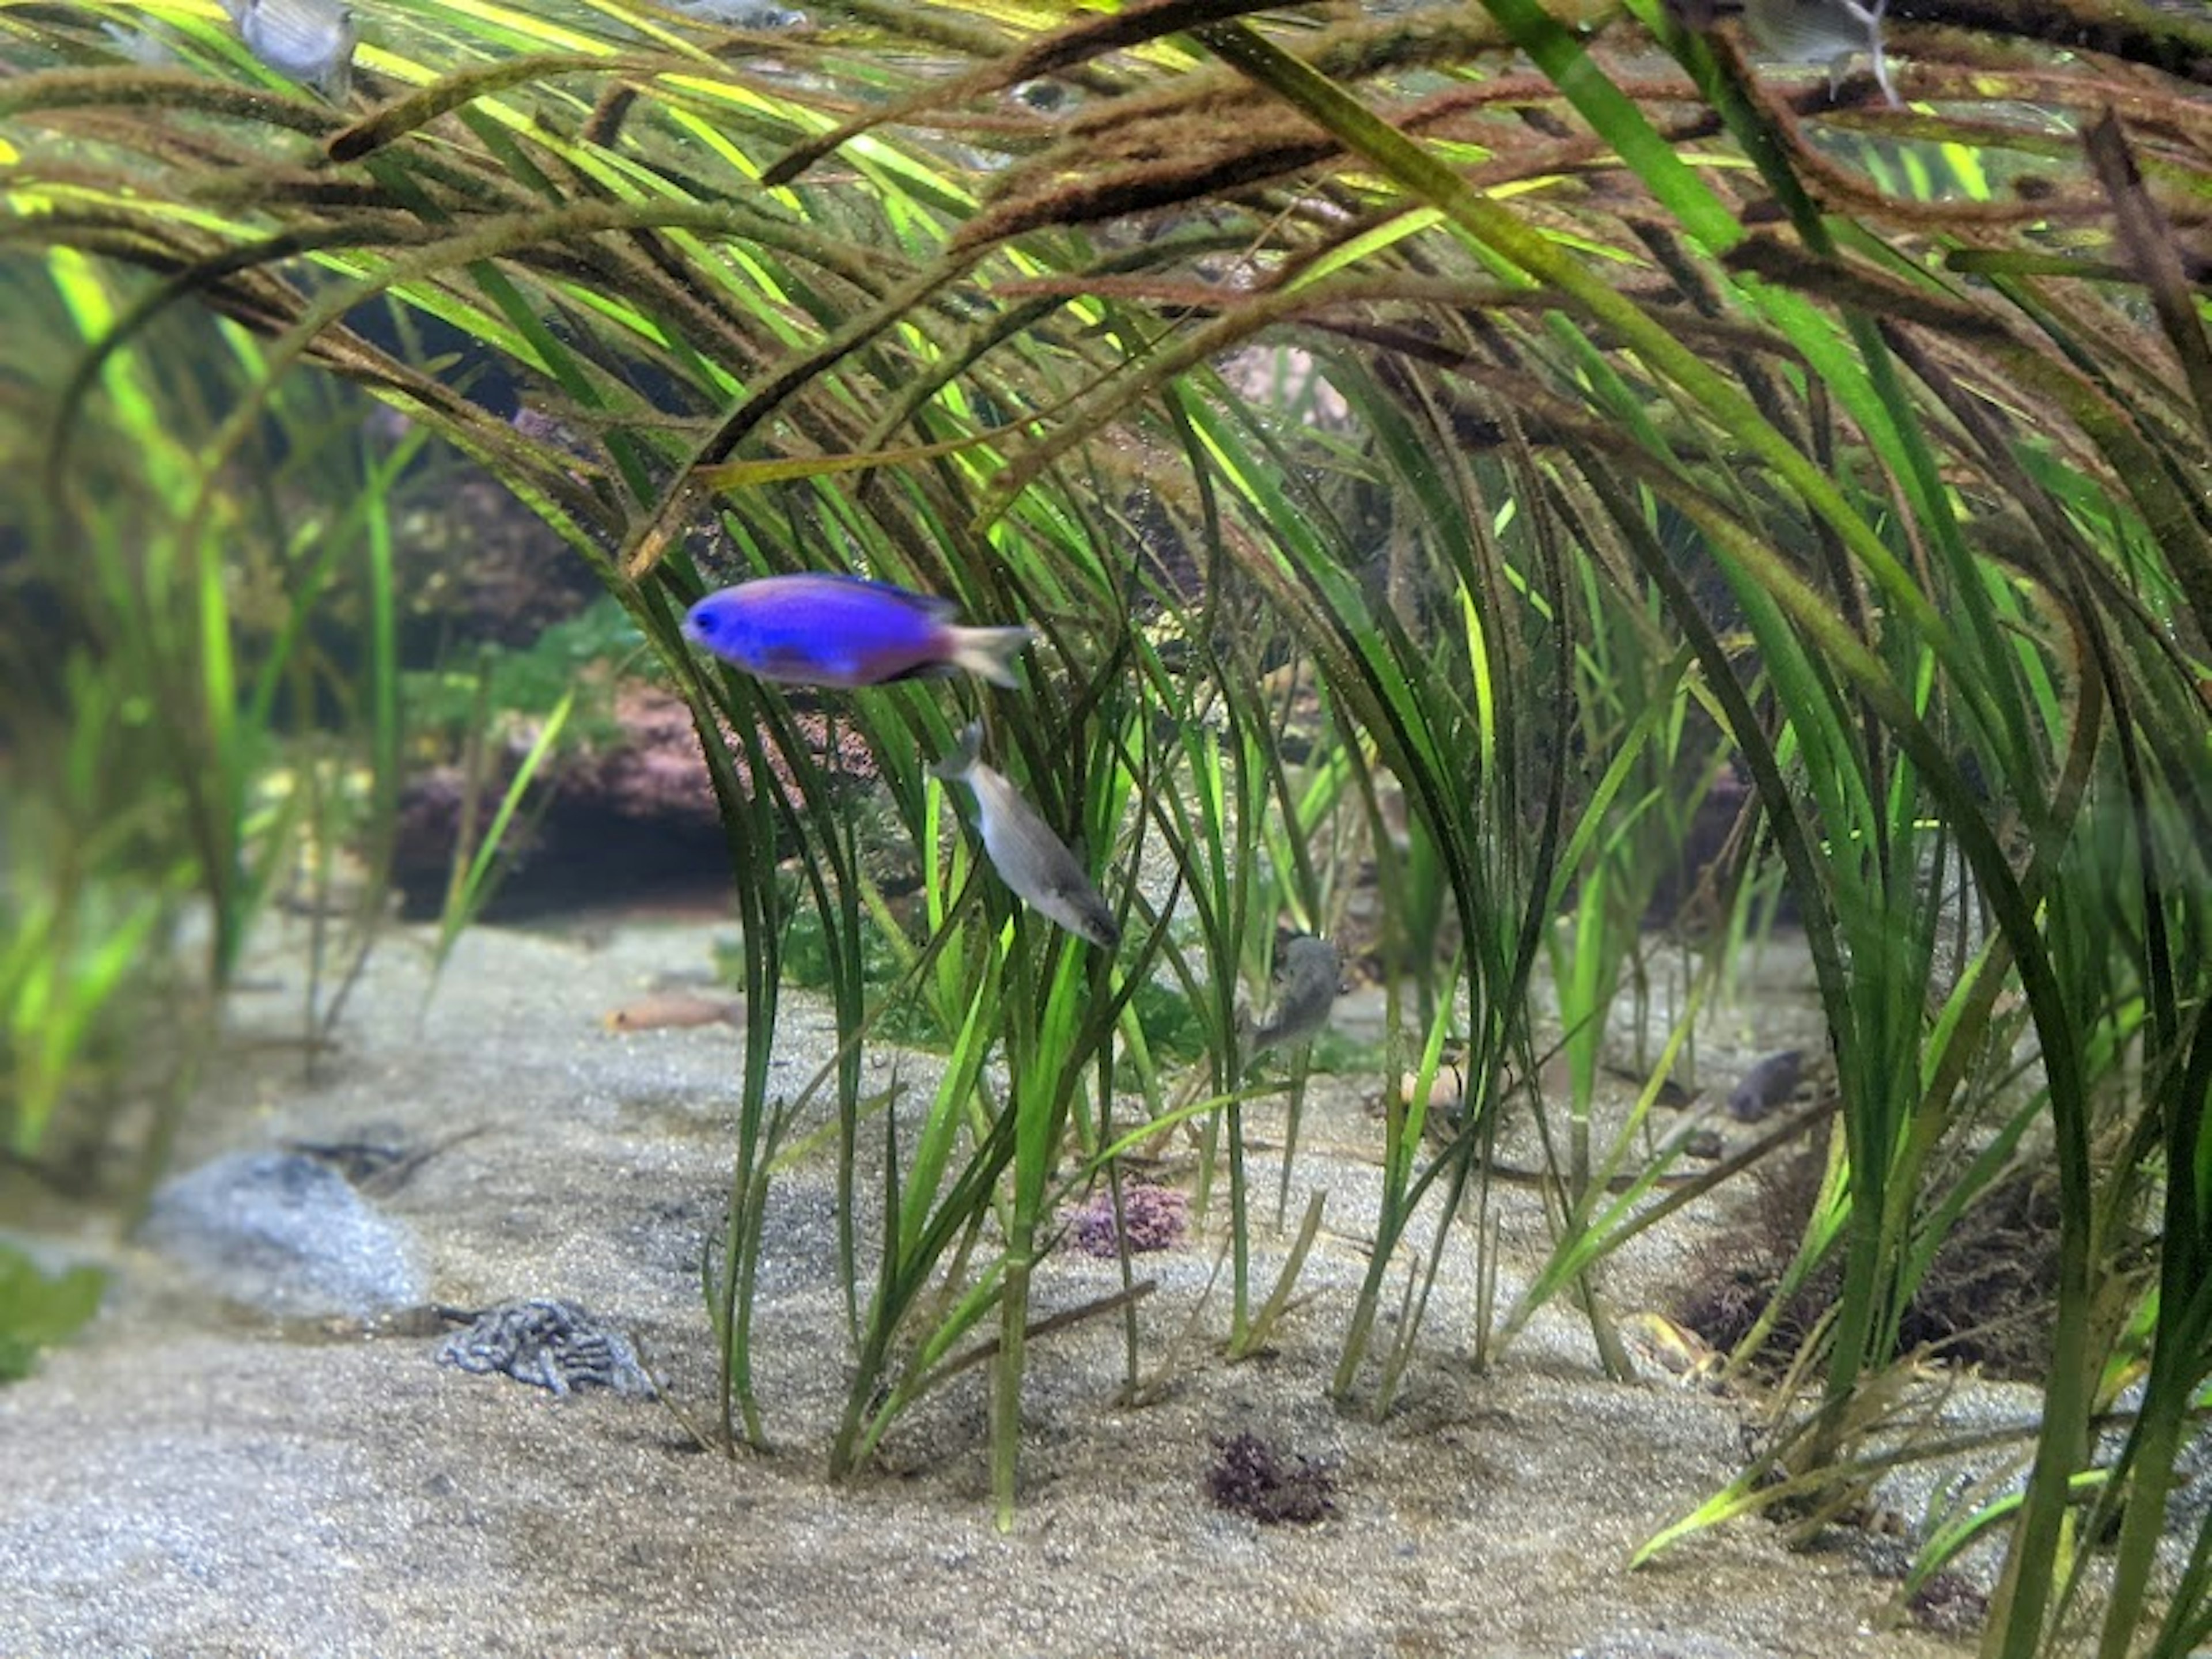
x,y
1153,827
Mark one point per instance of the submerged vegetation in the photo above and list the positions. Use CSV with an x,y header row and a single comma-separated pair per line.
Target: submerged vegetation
x,y
1464,438
168,666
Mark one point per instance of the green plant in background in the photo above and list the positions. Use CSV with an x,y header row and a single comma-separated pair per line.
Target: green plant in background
x,y
576,659
475,856
38,1309
1213,794
168,643
163,779
1897,489
76,929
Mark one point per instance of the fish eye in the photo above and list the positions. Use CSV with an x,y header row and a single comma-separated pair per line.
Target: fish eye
x,y
705,621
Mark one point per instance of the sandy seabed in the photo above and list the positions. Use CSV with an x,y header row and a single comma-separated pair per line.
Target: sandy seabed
x,y
188,1481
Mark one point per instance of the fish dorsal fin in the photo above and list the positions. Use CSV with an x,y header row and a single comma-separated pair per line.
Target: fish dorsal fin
x,y
959,762
929,605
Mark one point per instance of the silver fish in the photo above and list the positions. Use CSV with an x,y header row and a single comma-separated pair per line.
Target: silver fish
x,y
1307,981
1028,856
1830,31
145,50
742,13
310,41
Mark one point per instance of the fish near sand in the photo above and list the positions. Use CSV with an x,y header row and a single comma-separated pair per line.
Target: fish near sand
x,y
1028,856
1766,1086
312,42
829,630
660,1010
1307,981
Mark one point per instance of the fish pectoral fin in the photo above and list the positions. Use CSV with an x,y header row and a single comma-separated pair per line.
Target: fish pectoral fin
x,y
805,662
923,671
957,764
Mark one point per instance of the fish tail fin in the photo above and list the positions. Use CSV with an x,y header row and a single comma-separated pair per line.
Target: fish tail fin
x,y
967,748
989,652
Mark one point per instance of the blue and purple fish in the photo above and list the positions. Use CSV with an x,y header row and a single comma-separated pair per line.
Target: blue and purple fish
x,y
826,629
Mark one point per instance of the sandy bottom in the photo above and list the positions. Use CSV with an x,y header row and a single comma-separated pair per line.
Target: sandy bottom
x,y
189,1480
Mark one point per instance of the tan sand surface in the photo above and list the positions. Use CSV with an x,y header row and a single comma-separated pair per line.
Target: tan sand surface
x,y
190,1480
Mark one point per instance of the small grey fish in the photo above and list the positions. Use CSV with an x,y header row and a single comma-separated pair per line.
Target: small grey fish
x,y
742,14
1830,31
1028,856
1766,1086
310,41
145,50
1307,981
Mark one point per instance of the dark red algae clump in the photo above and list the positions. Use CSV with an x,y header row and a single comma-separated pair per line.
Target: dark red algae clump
x,y
1252,1478
1949,1605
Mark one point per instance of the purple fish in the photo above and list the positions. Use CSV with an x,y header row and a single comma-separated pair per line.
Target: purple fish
x,y
824,629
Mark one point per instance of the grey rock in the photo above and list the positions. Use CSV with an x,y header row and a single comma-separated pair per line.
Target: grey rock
x,y
284,1234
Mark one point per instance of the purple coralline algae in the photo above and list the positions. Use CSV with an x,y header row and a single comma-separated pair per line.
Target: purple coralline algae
x,y
1152,1218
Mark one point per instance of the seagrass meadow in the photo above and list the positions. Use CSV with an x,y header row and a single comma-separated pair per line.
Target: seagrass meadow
x,y
1448,454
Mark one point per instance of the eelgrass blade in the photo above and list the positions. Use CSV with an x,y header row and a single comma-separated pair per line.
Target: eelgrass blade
x,y
477,864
